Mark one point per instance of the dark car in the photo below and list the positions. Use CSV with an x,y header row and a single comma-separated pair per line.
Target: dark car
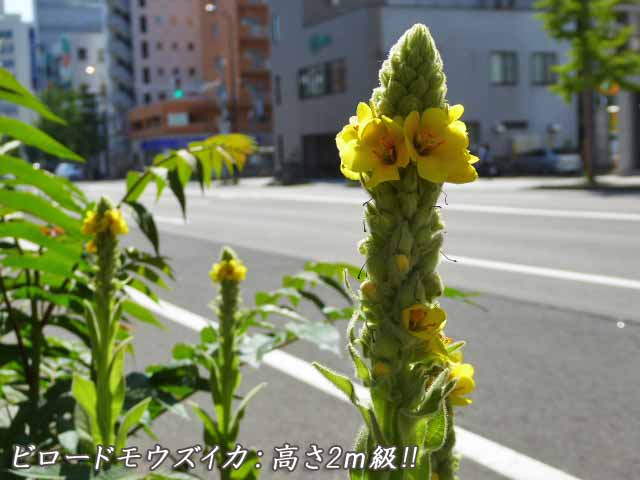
x,y
545,162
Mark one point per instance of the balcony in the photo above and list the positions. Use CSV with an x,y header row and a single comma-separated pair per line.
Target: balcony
x,y
199,115
252,30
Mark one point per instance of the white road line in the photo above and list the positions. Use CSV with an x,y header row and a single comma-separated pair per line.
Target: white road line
x,y
498,458
462,207
548,272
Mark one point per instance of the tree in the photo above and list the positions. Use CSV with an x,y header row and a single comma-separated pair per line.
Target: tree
x,y
599,57
84,131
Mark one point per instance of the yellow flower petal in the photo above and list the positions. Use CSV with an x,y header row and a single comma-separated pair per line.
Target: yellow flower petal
x,y
434,119
431,168
455,112
364,112
383,173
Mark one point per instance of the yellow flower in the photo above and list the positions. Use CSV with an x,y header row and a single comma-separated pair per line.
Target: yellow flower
x,y
373,146
89,225
233,270
438,142
111,221
435,476
117,225
422,321
463,373
91,247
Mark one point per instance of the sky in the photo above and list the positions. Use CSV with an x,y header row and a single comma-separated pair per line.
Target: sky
x,y
24,7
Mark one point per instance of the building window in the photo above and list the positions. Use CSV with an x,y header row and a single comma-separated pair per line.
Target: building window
x,y
101,55
277,89
275,29
160,72
159,46
192,72
147,98
215,31
144,49
81,54
176,72
142,3
190,46
189,21
323,79
143,24
541,68
162,96
173,20
174,45
159,20
504,68
146,75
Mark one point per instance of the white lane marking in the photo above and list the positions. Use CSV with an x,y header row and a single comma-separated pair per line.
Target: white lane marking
x,y
498,458
548,272
462,207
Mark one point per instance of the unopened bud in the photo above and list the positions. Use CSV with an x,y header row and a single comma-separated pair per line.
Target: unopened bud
x,y
402,263
369,289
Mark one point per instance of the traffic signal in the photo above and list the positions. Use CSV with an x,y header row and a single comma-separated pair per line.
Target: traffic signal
x,y
178,93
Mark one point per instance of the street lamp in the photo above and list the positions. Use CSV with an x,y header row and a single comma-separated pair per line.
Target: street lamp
x,y
90,70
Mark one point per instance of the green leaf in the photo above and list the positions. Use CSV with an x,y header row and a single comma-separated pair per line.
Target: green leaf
x,y
31,232
208,335
183,351
54,187
362,371
84,391
130,420
136,184
239,414
269,309
47,262
255,347
141,313
323,335
212,436
346,386
147,224
36,138
436,430
160,177
13,92
41,208
178,190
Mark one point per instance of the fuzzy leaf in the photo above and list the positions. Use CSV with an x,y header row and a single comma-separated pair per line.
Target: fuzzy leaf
x,y
34,137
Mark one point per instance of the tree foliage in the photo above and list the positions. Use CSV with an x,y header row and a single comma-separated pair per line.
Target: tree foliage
x,y
599,55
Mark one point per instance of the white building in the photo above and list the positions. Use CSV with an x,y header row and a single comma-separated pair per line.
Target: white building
x,y
326,57
17,55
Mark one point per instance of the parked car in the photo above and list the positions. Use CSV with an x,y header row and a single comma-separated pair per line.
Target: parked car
x,y
547,161
71,171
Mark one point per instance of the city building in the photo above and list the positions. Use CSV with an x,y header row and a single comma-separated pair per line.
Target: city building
x,y
17,47
121,90
72,42
626,114
201,67
326,55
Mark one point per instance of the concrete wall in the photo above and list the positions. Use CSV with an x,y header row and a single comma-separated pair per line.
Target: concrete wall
x,y
354,37
466,39
171,26
15,56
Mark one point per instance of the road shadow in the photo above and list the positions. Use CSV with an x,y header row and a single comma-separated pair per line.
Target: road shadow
x,y
600,189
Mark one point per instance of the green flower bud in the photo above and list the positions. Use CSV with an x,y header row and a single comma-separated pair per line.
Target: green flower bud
x,y
412,78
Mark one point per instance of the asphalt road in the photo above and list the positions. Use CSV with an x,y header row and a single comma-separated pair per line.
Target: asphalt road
x,y
555,345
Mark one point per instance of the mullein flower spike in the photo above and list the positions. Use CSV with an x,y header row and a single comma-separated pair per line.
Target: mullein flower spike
x,y
403,146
